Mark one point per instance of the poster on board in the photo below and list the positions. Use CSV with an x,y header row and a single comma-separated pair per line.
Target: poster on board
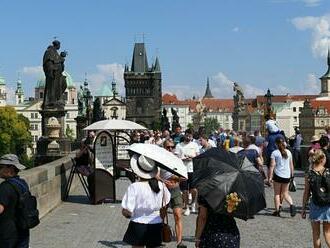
x,y
104,152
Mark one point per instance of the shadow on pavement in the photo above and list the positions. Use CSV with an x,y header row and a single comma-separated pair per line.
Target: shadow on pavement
x,y
112,244
81,199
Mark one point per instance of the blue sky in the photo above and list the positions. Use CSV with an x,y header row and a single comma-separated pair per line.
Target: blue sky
x,y
276,44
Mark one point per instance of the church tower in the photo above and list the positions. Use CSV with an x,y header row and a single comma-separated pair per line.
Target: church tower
x,y
19,93
208,93
3,94
143,89
325,81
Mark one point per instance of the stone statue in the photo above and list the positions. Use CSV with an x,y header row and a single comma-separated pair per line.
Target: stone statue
x,y
53,66
175,119
238,98
81,102
165,125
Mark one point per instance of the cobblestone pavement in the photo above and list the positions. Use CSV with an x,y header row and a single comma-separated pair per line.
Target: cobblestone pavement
x,y
77,224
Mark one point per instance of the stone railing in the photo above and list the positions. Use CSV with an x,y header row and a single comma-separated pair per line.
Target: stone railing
x,y
47,182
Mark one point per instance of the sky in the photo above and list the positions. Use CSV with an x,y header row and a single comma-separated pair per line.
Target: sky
x,y
277,44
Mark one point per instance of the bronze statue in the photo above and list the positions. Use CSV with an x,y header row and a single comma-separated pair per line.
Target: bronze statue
x,y
53,66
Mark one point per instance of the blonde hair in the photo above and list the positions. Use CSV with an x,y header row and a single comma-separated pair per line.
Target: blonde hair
x,y
317,156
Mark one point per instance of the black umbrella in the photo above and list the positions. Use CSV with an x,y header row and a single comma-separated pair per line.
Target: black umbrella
x,y
217,175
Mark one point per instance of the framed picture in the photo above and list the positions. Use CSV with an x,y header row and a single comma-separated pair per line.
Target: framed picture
x,y
103,141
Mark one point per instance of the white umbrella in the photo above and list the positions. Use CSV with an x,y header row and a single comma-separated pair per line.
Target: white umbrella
x,y
167,160
115,125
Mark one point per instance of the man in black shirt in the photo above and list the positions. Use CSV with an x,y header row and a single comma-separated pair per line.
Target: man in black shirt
x,y
324,143
11,236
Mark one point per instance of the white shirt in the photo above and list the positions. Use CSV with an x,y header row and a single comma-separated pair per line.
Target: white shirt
x,y
143,203
184,150
282,165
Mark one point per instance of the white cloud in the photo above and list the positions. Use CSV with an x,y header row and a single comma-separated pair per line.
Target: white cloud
x,y
312,3
105,73
235,29
320,27
308,3
312,85
35,71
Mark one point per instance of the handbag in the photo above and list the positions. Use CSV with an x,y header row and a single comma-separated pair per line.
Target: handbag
x,y
167,232
292,185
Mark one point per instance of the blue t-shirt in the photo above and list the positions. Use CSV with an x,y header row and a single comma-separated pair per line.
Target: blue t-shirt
x,y
271,138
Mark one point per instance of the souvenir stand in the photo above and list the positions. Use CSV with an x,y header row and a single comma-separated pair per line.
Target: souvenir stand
x,y
111,159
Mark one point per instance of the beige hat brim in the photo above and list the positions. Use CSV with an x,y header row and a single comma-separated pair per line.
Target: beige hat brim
x,y
139,172
5,162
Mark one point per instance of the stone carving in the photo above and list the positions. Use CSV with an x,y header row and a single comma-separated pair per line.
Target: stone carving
x,y
53,66
175,119
238,98
81,102
53,128
165,124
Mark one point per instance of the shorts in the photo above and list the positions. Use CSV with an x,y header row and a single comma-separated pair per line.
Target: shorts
x,y
187,184
278,179
139,234
319,213
176,201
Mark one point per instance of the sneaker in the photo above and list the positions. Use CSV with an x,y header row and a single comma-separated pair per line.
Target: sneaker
x,y
186,212
181,245
193,208
293,210
190,198
276,213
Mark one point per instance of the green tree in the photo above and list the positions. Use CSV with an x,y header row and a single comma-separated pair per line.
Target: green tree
x,y
69,133
15,136
211,124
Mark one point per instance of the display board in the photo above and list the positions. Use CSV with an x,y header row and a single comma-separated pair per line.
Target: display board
x,y
104,152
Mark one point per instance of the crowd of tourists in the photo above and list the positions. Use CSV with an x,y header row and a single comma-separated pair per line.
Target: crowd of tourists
x,y
147,200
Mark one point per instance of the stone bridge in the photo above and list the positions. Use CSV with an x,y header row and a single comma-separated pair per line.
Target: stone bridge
x,y
76,223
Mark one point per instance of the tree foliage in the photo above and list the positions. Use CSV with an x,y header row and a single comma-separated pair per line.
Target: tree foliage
x,y
210,125
15,136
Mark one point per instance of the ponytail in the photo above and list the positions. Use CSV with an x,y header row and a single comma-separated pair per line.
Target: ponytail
x,y
153,183
281,146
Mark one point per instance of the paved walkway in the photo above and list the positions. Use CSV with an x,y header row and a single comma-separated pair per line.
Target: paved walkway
x,y
78,224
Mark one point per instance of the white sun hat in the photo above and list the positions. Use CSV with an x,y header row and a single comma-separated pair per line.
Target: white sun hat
x,y
144,167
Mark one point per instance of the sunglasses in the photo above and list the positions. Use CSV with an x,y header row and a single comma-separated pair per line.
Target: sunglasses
x,y
169,147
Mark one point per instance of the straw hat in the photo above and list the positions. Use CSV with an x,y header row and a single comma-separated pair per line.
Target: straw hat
x,y
315,138
11,159
143,167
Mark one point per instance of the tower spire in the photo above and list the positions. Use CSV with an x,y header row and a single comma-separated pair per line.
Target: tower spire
x,y
208,93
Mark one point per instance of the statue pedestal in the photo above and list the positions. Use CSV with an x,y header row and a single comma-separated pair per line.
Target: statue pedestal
x,y
81,124
53,144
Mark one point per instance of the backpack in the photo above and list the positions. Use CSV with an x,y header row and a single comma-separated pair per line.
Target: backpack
x,y
27,215
320,187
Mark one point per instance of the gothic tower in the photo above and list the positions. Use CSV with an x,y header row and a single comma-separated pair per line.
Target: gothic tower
x,y
325,81
143,85
19,93
208,93
3,94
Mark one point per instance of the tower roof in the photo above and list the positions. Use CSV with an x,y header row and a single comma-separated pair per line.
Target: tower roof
x,y
208,93
139,61
69,81
327,74
104,91
19,89
157,65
